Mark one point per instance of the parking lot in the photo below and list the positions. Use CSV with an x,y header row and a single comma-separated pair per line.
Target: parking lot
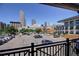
x,y
26,40
5,38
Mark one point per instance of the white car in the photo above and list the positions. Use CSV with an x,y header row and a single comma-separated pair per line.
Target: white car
x,y
6,38
3,39
13,36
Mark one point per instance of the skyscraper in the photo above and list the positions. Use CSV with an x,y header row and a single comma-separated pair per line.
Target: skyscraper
x,y
22,18
33,21
45,24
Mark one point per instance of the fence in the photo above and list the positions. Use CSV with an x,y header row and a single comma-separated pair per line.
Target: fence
x,y
61,48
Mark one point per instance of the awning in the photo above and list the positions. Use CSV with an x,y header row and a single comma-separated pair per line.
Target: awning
x,y
70,6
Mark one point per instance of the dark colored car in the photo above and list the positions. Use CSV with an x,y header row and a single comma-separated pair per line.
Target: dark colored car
x,y
46,41
27,33
23,33
77,47
1,37
1,42
37,36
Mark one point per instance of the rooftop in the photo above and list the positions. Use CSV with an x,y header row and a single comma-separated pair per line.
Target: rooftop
x,y
70,18
15,22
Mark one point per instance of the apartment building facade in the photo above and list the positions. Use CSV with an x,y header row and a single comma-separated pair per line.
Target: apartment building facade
x,y
71,27
16,25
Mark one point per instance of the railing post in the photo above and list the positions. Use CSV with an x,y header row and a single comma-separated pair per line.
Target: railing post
x,y
67,47
32,49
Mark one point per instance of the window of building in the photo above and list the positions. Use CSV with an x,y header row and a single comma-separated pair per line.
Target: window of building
x,y
71,27
77,22
66,24
77,32
71,23
77,27
71,32
66,32
66,28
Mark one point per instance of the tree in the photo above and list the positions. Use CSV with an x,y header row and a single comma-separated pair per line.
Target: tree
x,y
27,30
8,30
30,30
23,30
1,31
11,30
38,30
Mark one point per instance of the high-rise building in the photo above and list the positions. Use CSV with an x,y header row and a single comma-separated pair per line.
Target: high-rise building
x,y
2,25
22,18
45,24
33,21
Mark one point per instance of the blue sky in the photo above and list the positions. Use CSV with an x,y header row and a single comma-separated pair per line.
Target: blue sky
x,y
39,12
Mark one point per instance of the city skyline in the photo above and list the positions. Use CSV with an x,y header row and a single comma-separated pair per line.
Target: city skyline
x,y
22,18
41,13
39,29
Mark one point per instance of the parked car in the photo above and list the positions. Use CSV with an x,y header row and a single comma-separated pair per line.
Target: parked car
x,y
27,33
23,33
1,37
46,41
1,42
37,36
13,36
10,37
5,39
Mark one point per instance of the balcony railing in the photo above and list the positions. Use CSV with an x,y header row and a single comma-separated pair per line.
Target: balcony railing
x,y
61,48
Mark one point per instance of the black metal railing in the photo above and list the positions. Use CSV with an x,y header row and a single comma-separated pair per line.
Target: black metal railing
x,y
61,48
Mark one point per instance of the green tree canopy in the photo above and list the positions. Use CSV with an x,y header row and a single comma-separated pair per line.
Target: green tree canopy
x,y
23,30
11,30
38,30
